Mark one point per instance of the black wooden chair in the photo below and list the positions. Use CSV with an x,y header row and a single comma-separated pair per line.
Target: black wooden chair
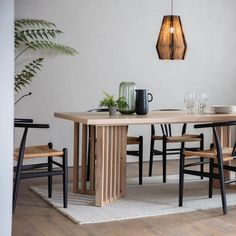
x,y
167,138
216,157
131,140
46,169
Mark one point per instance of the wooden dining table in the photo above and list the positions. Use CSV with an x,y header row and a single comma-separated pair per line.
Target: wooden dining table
x,y
108,139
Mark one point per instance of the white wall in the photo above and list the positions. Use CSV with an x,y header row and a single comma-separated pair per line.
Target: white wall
x,y
116,41
6,118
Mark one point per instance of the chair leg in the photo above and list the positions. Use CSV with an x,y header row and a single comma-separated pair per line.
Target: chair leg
x,y
164,161
49,177
201,158
201,167
151,157
181,177
211,168
220,170
50,170
18,169
17,181
222,185
141,160
65,178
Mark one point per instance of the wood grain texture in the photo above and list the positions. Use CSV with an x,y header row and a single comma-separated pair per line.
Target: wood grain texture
x,y
35,217
154,117
99,169
92,159
111,163
84,158
124,130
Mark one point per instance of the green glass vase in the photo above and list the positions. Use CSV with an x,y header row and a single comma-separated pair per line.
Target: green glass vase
x,y
127,90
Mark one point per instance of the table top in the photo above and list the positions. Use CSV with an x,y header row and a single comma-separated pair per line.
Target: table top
x,y
154,117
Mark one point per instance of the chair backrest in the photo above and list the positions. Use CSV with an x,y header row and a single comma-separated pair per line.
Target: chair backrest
x,y
215,133
23,120
26,126
167,130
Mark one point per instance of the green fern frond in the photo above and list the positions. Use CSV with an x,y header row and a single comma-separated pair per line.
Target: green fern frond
x,y
25,77
24,23
36,35
24,36
36,45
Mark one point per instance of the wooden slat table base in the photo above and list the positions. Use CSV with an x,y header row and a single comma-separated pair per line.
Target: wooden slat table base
x,y
80,183
84,158
92,160
111,163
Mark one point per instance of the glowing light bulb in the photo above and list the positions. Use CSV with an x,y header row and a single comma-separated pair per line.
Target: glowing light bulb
x,y
172,30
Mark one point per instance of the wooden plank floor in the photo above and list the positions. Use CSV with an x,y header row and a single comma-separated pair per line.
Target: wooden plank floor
x,y
35,217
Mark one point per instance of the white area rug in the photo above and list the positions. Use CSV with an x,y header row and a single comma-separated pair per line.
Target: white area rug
x,y
153,198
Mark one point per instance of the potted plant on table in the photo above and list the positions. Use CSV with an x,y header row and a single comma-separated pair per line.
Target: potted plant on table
x,y
113,104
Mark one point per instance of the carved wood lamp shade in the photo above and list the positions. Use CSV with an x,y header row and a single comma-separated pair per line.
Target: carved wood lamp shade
x,y
171,44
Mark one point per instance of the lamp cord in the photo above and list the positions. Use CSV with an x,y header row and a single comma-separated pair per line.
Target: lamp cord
x,y
172,7
25,95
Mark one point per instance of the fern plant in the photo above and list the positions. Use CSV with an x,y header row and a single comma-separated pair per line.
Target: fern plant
x,y
33,34
110,101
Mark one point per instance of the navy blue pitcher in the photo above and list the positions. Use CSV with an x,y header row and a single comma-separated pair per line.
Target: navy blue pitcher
x,y
142,100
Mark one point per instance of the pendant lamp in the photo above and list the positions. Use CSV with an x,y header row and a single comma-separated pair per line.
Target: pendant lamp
x,y
171,44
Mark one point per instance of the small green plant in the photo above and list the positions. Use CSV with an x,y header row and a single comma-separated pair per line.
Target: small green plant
x,y
110,101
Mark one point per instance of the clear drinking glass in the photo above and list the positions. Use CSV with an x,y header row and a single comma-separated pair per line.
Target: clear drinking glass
x,y
202,102
189,101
